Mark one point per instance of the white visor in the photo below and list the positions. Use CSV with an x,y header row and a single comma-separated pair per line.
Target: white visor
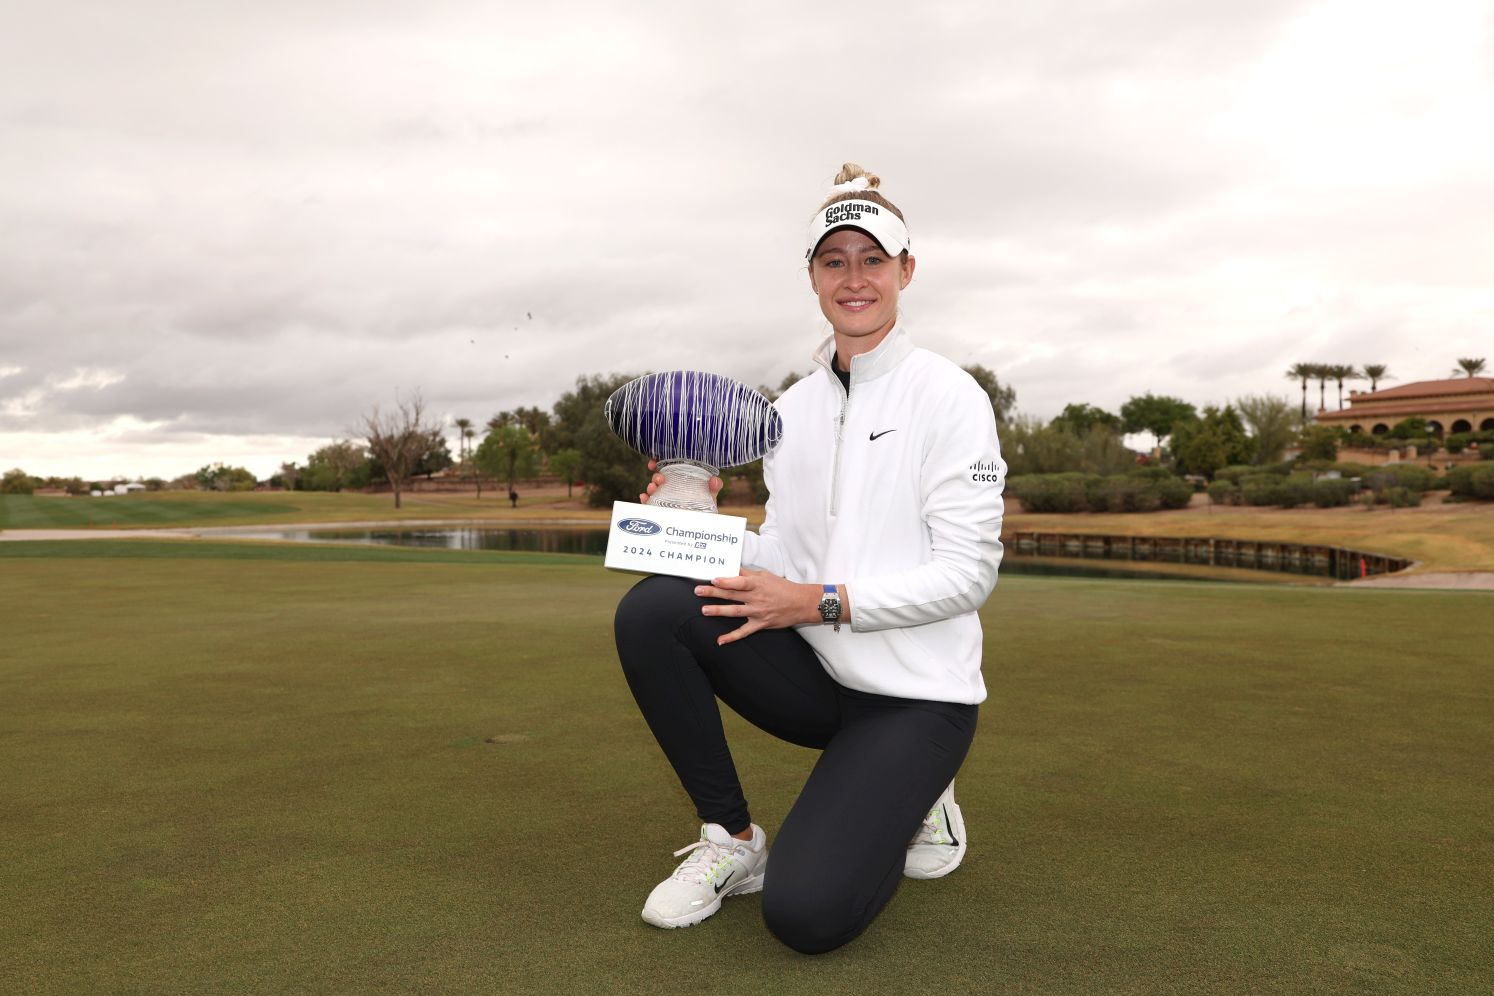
x,y
875,220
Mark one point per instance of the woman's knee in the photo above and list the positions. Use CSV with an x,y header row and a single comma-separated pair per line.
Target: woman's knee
x,y
652,609
655,600
807,919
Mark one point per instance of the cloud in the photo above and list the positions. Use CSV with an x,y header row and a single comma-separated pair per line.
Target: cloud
x,y
281,218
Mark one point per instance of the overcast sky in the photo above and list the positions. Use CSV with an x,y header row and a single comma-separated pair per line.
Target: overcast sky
x,y
226,229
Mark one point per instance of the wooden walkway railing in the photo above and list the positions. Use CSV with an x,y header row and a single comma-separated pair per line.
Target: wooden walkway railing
x,y
1259,555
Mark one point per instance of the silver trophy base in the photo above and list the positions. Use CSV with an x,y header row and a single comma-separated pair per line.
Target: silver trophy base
x,y
687,485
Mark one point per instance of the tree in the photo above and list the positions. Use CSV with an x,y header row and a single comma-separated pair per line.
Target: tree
x,y
536,420
566,464
1342,372
1003,399
338,465
1320,373
510,452
436,459
400,440
1217,440
1304,373
218,477
789,380
1472,366
1156,414
576,408
1273,424
16,482
1030,447
1375,372
1319,442
464,433
1081,418
289,474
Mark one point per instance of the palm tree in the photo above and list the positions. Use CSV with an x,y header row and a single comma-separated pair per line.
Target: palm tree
x,y
464,433
1302,372
1376,373
1321,372
1471,366
1342,372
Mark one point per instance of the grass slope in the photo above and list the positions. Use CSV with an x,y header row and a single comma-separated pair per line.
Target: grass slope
x,y
1441,537
248,769
171,509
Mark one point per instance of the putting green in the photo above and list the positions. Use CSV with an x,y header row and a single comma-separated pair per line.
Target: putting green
x,y
275,769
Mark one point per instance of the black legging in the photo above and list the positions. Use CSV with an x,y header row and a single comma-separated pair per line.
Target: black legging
x,y
839,855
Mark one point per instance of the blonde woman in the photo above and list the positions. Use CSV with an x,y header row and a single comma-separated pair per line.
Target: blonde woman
x,y
852,629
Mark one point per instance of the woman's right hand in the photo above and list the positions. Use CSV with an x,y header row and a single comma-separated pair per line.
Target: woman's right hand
x,y
716,484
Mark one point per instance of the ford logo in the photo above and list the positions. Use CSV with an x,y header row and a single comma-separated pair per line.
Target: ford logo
x,y
639,527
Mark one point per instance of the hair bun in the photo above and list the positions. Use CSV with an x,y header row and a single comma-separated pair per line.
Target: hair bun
x,y
851,171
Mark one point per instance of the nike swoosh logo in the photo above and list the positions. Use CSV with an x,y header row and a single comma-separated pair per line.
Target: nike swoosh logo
x,y
878,435
725,880
949,828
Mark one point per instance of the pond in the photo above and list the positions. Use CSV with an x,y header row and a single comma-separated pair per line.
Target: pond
x,y
593,542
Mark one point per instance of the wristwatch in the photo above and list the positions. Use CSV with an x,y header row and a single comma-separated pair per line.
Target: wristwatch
x,y
830,607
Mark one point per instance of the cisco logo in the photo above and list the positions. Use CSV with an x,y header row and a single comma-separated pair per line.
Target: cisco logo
x,y
639,527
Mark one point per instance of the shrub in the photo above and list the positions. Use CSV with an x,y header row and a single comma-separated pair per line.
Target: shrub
x,y
1262,492
1174,493
1481,480
1051,492
1402,497
1224,493
1074,492
1403,475
1331,493
1294,491
16,482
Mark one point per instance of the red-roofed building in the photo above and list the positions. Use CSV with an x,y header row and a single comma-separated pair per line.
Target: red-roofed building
x,y
1462,404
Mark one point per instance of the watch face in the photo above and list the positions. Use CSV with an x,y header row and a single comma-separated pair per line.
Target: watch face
x,y
830,609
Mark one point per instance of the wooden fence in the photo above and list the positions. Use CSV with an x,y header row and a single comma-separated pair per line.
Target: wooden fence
x,y
1258,555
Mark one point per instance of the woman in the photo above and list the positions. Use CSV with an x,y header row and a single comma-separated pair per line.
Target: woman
x,y
852,628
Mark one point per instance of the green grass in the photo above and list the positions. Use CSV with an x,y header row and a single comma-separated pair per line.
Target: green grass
x,y
277,769
177,509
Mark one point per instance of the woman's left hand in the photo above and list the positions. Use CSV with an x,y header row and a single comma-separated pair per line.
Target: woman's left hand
x,y
765,600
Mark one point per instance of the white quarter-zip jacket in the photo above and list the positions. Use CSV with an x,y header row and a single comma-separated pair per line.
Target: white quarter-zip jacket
x,y
895,492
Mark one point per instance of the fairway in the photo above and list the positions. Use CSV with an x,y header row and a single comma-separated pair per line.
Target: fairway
x,y
275,769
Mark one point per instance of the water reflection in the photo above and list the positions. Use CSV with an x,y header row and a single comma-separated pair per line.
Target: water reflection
x,y
593,542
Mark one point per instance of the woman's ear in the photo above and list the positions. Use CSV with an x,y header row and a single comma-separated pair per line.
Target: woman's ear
x,y
908,265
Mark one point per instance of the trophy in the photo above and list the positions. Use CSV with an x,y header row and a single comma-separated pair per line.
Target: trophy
x,y
693,424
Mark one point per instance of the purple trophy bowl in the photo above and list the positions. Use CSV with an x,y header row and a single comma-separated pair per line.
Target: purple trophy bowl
x,y
693,424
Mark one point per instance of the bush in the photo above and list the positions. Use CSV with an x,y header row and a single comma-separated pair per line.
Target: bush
x,y
1294,491
1174,493
16,482
1262,492
1073,492
1483,482
1459,481
1400,497
1224,493
1403,475
1331,493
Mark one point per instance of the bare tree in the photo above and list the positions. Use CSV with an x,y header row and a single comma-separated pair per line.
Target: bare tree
x,y
399,440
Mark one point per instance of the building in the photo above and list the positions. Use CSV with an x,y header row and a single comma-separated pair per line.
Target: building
x,y
1462,404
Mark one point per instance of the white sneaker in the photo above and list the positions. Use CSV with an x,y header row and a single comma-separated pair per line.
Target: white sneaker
x,y
719,866
939,845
